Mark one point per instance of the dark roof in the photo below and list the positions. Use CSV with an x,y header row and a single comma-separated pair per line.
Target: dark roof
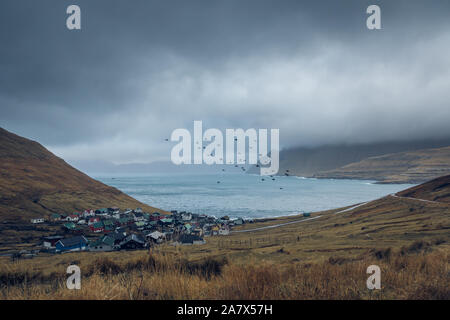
x,y
97,225
53,237
133,237
73,241
107,240
116,235
189,238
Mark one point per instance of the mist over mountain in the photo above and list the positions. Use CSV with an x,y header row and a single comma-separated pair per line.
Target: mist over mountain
x,y
401,167
104,167
116,90
306,162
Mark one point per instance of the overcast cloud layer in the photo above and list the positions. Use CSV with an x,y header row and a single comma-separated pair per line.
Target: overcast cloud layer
x,y
139,69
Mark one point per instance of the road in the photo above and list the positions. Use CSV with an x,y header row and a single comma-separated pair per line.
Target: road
x,y
275,225
416,199
354,207
341,211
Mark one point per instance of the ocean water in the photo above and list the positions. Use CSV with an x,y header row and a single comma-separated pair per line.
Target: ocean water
x,y
245,195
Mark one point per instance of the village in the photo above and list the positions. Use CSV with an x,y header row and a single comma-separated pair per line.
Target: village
x,y
109,229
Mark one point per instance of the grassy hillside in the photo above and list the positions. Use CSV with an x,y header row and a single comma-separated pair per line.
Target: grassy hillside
x,y
407,274
307,161
34,182
322,258
402,167
434,190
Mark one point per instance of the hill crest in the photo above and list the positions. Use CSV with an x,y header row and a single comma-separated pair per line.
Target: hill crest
x,y
35,182
435,190
401,167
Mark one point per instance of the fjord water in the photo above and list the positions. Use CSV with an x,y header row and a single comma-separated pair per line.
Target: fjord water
x,y
246,195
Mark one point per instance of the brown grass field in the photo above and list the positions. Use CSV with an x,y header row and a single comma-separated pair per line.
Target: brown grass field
x,y
325,258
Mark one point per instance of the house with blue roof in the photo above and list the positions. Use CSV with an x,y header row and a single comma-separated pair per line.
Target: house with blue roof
x,y
78,243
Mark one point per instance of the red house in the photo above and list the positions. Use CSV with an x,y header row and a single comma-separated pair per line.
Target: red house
x,y
97,227
93,220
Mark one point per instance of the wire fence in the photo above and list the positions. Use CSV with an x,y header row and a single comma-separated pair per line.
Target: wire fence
x,y
256,242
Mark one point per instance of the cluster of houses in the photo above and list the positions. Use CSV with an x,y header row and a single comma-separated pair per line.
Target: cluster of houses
x,y
110,229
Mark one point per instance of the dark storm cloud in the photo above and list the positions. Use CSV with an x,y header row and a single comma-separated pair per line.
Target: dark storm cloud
x,y
139,69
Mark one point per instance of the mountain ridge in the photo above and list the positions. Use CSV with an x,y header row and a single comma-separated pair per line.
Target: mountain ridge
x,y
436,190
307,161
401,167
34,182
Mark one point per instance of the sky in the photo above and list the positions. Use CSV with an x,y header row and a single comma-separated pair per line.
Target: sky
x,y
137,70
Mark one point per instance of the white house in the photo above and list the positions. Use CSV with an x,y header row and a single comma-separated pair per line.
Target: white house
x,y
116,215
50,241
189,240
88,213
72,218
186,216
156,236
139,216
37,220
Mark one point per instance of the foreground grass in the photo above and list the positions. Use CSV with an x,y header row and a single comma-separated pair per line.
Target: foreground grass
x,y
326,258
414,272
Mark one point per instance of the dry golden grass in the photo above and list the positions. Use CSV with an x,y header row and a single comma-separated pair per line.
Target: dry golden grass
x,y
34,183
410,273
402,167
325,258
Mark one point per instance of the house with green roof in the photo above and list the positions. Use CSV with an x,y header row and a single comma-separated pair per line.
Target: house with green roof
x,y
55,217
153,223
167,221
109,228
97,227
139,224
125,221
109,223
101,245
188,227
69,225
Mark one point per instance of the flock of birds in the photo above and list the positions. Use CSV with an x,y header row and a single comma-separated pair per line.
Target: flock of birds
x,y
286,173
